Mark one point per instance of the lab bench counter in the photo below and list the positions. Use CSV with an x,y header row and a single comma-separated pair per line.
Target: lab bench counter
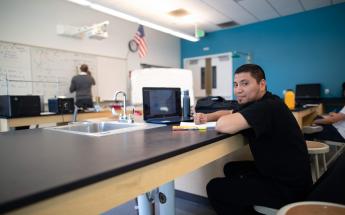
x,y
53,172
7,123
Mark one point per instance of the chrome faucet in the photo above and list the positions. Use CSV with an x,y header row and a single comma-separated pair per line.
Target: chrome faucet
x,y
124,117
75,113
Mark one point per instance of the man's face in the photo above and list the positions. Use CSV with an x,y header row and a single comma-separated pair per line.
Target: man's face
x,y
247,89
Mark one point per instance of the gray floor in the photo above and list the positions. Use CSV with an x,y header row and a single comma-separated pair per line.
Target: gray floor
x,y
183,207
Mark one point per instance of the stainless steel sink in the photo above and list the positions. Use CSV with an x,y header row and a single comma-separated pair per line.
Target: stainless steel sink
x,y
102,128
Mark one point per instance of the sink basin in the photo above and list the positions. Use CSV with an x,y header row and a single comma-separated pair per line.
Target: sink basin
x,y
103,128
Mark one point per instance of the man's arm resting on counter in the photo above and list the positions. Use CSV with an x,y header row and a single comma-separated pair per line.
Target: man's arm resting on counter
x,y
232,123
330,119
201,118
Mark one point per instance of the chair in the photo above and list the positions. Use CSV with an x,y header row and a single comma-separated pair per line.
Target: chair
x,y
315,149
328,188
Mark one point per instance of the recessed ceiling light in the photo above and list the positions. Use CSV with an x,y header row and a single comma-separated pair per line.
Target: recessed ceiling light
x,y
178,13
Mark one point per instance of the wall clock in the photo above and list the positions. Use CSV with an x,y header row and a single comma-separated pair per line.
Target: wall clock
x,y
133,46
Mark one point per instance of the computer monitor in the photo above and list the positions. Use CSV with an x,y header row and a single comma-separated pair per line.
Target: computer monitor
x,y
308,91
161,102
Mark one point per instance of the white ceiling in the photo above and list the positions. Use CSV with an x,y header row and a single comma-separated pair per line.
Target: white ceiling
x,y
208,13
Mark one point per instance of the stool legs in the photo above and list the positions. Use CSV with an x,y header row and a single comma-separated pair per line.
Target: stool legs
x,y
317,167
314,149
324,162
316,163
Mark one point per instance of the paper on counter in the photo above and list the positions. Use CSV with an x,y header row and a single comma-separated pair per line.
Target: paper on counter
x,y
208,125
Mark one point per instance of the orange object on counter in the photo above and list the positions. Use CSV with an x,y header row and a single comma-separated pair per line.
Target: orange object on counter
x,y
289,99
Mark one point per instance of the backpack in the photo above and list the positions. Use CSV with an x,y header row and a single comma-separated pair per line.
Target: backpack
x,y
211,104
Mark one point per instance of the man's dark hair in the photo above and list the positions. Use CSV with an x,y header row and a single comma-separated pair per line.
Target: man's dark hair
x,y
255,70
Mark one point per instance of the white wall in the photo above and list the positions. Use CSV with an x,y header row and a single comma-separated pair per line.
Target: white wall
x,y
33,22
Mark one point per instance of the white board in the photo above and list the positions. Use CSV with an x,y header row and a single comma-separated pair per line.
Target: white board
x,y
15,65
52,70
29,70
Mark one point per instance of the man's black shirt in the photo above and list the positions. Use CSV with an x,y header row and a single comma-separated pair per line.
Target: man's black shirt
x,y
276,142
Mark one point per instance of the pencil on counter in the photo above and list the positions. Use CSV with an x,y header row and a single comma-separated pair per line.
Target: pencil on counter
x,y
187,127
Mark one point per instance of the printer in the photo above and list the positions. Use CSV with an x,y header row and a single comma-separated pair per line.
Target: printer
x,y
61,105
19,105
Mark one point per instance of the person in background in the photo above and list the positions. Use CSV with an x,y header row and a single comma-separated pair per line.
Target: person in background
x,y
280,173
327,127
81,84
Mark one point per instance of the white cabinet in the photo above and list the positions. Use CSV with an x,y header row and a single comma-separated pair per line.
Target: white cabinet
x,y
221,74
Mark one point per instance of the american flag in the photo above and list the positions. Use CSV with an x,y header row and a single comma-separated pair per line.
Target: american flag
x,y
139,39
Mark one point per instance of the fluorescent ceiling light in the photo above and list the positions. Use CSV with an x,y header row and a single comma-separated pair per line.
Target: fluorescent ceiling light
x,y
81,2
127,17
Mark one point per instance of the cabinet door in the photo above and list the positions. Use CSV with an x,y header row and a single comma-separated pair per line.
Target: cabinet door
x,y
197,66
222,76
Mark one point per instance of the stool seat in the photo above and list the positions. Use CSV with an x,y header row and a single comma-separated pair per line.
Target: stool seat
x,y
312,208
317,148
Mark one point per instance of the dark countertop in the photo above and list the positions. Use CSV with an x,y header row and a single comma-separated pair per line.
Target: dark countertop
x,y
40,163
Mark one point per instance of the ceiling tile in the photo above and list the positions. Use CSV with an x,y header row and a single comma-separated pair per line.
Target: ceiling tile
x,y
259,8
286,7
313,4
232,10
205,14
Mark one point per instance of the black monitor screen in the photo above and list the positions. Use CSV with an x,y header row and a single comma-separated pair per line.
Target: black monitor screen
x,y
308,91
161,102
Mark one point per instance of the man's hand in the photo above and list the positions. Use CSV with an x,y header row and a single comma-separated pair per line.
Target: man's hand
x,y
330,119
200,118
320,121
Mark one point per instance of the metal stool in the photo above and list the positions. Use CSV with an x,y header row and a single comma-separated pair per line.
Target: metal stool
x,y
339,148
315,149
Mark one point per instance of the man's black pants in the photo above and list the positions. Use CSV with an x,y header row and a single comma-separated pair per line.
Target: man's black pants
x,y
329,132
243,187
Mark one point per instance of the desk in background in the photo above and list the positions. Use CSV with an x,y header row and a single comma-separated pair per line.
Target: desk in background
x,y
7,123
305,116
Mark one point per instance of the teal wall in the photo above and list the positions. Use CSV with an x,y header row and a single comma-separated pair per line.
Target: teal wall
x,y
304,48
